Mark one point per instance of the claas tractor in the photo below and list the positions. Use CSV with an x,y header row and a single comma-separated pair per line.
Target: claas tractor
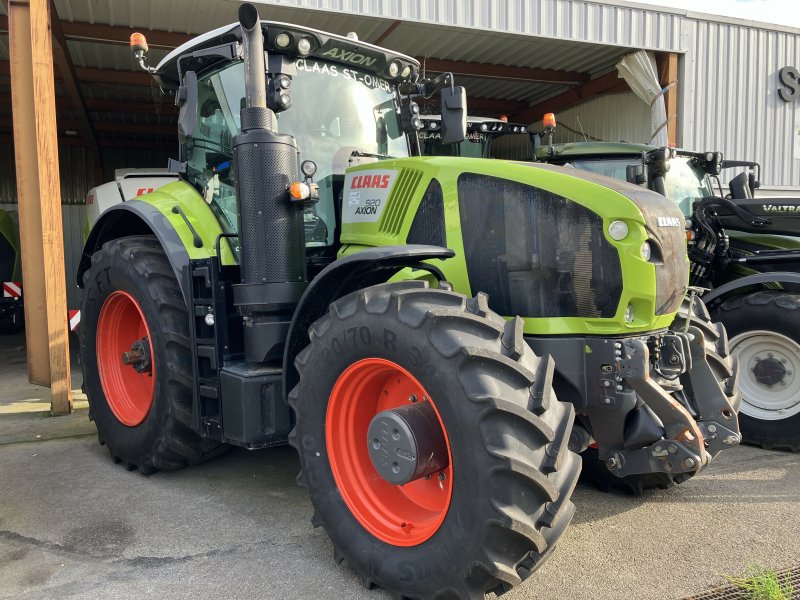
x,y
310,280
11,305
744,250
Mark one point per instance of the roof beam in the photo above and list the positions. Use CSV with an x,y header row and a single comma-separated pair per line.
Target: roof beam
x,y
113,34
69,80
148,129
485,70
166,109
386,33
93,75
7,138
607,83
500,106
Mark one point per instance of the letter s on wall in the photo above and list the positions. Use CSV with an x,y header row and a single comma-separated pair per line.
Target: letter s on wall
x,y
790,79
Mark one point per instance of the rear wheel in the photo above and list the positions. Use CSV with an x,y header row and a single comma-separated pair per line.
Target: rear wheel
x,y
432,445
765,335
136,358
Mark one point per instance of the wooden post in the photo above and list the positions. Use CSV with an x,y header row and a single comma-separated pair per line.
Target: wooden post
x,y
669,79
39,198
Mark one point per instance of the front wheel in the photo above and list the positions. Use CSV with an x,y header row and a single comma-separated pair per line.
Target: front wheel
x,y
765,335
136,358
431,442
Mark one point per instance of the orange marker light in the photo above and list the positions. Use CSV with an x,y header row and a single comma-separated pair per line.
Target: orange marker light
x,y
549,120
138,42
299,190
504,118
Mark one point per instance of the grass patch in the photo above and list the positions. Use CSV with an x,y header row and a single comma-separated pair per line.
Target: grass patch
x,y
761,583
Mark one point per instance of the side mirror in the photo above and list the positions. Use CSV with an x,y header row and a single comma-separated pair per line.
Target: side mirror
x,y
635,174
454,114
187,100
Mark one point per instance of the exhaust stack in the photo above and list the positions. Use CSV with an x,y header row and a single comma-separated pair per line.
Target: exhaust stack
x,y
271,236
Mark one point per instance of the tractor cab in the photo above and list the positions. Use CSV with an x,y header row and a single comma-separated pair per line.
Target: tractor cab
x,y
681,176
486,138
339,98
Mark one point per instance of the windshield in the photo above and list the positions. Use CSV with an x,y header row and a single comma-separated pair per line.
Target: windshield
x,y
685,182
335,111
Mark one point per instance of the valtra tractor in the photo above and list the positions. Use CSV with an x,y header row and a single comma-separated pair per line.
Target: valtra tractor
x,y
308,281
744,250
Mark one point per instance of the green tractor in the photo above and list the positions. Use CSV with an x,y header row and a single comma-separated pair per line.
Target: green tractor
x,y
744,250
309,280
11,305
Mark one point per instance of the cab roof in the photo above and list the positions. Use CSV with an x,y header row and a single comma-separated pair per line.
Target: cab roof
x,y
325,46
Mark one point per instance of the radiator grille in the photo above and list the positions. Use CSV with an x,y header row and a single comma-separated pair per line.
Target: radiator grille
x,y
399,200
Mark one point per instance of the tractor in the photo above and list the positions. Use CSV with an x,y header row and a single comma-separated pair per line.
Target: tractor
x,y
310,279
745,250
11,305
483,135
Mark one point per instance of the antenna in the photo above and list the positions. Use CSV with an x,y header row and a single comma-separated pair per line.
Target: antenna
x,y
583,133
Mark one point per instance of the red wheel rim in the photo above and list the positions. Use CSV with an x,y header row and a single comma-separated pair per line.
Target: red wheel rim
x,y
400,515
128,392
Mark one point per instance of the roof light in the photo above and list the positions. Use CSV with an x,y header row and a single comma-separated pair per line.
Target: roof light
x,y
304,46
406,72
394,68
484,127
352,35
433,125
549,120
283,40
138,42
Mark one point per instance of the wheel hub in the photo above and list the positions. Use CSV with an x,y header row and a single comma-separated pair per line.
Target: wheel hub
x,y
769,371
407,443
138,356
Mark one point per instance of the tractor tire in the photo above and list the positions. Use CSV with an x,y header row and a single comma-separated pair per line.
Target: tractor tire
x,y
131,294
764,328
725,366
499,496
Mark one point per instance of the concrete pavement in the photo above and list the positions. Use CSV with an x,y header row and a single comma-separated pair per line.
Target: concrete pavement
x,y
73,524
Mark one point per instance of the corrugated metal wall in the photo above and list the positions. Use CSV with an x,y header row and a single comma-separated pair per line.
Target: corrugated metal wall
x,y
730,96
611,118
596,22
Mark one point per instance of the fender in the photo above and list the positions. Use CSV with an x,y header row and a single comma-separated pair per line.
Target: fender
x,y
758,278
354,272
139,218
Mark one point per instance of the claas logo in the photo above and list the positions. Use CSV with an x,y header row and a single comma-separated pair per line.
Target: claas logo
x,y
370,181
142,191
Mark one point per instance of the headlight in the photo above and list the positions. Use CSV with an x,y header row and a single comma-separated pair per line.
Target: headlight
x,y
617,230
304,46
283,40
629,313
647,251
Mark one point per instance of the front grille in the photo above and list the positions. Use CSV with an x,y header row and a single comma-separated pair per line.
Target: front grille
x,y
536,254
670,259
